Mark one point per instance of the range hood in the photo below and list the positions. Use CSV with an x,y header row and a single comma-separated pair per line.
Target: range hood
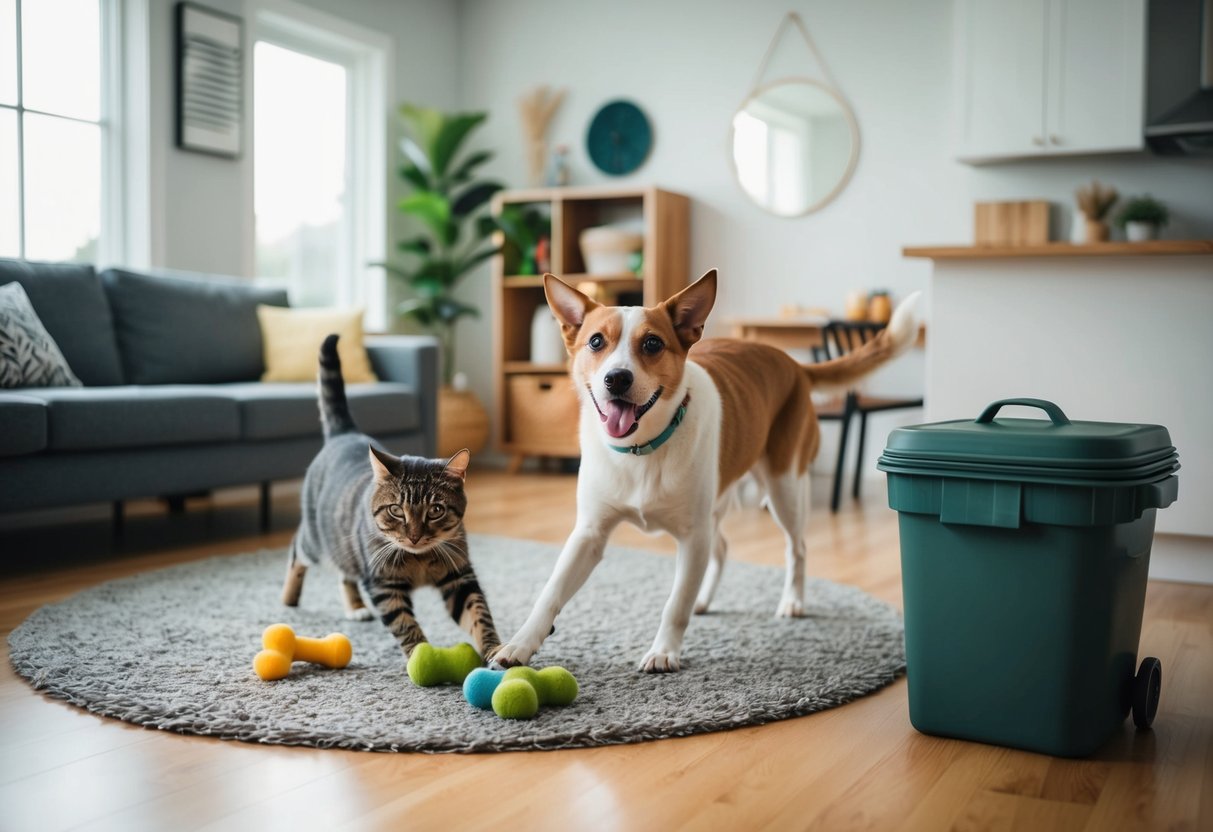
x,y
1179,81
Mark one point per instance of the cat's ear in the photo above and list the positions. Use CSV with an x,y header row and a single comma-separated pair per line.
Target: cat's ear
x,y
457,466
382,463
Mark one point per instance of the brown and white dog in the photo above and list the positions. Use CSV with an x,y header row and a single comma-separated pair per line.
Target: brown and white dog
x,y
666,430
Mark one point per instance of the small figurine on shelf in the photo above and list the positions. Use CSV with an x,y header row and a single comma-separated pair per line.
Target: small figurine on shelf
x,y
558,167
543,255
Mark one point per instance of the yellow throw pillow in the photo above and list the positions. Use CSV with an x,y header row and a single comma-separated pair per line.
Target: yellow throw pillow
x,y
291,340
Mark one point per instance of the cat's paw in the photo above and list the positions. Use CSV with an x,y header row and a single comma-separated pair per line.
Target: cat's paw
x,y
659,661
361,614
510,655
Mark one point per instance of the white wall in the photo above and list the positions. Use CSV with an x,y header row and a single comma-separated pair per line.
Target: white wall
x,y
202,205
690,63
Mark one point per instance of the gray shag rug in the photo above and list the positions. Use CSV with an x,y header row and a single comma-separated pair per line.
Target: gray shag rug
x,y
173,649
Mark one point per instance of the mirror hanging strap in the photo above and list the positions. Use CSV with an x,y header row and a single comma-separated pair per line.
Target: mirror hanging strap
x,y
793,18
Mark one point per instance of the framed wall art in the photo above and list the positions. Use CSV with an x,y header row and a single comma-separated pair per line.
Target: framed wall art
x,y
210,81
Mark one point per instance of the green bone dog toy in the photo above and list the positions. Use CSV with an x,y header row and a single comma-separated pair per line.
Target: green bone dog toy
x,y
518,692
430,665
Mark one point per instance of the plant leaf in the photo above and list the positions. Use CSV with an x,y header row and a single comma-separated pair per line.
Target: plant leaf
x,y
413,175
486,224
450,136
396,271
474,198
426,125
418,159
468,263
431,208
422,310
464,172
418,245
516,230
450,310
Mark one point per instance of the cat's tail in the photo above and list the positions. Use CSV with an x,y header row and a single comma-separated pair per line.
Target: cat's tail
x,y
334,409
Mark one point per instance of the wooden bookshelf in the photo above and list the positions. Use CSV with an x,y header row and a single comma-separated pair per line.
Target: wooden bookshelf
x,y
535,406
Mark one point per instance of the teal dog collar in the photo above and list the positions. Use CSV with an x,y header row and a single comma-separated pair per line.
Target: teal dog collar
x,y
661,438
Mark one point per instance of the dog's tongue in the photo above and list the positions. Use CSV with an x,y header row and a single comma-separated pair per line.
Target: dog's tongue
x,y
619,417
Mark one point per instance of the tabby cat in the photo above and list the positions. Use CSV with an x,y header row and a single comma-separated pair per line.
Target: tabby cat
x,y
389,526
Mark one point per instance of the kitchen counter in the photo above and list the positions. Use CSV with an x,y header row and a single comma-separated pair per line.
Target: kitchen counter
x,y
1111,249
1120,338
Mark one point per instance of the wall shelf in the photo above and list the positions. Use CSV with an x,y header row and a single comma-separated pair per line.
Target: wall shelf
x,y
535,406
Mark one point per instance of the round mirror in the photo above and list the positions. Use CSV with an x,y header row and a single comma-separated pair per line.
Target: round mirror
x,y
794,146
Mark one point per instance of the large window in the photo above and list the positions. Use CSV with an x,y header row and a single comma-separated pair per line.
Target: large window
x,y
53,128
320,99
299,181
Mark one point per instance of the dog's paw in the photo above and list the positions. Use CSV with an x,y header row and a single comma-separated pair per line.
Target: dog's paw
x,y
361,614
790,608
510,655
701,607
658,661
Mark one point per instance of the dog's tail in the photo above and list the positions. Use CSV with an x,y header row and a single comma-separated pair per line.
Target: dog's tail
x,y
842,373
334,409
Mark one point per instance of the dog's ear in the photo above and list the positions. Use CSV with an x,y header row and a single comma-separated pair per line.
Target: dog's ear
x,y
688,310
568,305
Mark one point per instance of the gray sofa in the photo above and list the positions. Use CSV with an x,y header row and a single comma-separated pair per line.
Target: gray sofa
x,y
171,403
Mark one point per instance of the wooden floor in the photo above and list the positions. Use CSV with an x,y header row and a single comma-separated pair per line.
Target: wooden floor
x,y
857,767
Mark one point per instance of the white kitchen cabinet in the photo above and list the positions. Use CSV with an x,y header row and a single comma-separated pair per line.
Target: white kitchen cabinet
x,y
1048,77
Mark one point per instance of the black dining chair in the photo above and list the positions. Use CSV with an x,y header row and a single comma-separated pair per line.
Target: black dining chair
x,y
839,338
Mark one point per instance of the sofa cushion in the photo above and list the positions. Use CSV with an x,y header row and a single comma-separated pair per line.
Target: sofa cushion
x,y
73,307
174,330
284,410
24,421
292,339
29,356
84,418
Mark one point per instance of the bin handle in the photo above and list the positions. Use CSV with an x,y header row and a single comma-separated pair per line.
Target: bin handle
x,y
1059,418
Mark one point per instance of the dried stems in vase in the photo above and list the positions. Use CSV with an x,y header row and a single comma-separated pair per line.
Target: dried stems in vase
x,y
1095,200
537,108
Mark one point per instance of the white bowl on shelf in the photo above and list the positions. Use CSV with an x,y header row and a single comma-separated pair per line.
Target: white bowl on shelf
x,y
608,249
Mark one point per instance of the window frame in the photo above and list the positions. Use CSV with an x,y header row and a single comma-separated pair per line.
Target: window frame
x,y
368,59
113,244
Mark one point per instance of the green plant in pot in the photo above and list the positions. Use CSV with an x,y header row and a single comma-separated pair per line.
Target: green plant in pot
x,y
1141,218
523,227
448,202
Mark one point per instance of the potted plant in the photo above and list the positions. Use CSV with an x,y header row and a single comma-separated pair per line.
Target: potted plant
x,y
1142,217
1095,200
448,202
526,231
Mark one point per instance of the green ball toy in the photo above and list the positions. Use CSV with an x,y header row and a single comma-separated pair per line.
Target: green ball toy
x,y
515,699
429,665
554,685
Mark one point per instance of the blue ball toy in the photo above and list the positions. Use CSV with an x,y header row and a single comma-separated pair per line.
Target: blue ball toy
x,y
479,686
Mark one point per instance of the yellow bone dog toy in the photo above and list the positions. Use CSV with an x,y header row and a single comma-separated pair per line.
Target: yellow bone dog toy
x,y
282,647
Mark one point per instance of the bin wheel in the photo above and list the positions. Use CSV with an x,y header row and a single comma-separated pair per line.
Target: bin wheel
x,y
1147,687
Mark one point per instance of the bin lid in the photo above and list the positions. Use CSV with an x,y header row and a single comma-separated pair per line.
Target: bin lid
x,y
1039,450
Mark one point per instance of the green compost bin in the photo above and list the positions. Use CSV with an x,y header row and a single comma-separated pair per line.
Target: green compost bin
x,y
1025,547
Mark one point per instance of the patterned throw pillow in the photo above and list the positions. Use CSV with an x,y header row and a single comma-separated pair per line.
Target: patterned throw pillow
x,y
29,356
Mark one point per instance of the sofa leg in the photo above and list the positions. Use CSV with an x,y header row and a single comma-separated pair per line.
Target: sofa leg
x,y
265,505
117,518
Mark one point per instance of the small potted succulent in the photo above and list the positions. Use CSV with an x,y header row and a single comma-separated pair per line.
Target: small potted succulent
x,y
1141,218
